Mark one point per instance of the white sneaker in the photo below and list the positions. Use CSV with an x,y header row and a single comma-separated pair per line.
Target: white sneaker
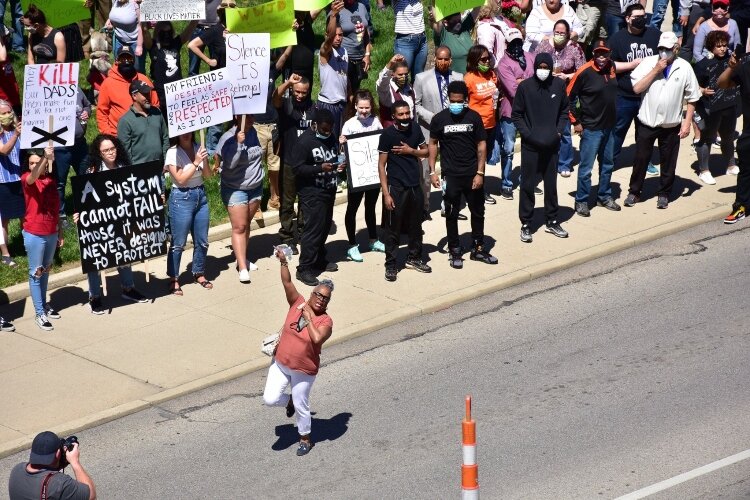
x,y
733,170
707,178
244,276
251,267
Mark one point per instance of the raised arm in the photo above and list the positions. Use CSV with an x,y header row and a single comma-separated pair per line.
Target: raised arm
x,y
327,46
286,279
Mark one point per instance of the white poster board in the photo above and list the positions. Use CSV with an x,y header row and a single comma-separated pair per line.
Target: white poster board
x,y
49,105
248,62
198,102
173,10
362,161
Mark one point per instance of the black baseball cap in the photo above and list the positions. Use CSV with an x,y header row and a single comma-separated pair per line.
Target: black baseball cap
x,y
140,86
125,50
44,447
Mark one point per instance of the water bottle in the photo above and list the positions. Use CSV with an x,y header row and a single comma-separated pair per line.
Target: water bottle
x,y
285,249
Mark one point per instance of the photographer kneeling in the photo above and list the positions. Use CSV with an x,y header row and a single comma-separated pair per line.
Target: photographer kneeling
x,y
41,476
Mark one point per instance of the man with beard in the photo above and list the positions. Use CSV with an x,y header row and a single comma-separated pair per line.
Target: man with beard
x,y
142,130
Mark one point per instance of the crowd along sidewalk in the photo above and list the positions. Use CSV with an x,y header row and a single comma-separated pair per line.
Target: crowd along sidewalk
x,y
92,369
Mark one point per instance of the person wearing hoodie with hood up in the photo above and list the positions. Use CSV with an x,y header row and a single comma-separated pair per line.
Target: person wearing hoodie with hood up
x,y
114,95
539,113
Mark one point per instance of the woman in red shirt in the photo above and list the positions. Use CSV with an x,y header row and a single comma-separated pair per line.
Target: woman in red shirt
x,y
42,232
297,358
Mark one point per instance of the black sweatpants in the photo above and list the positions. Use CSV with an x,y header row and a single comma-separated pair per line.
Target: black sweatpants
x,y
317,204
669,146
353,200
743,178
287,231
409,203
454,188
535,165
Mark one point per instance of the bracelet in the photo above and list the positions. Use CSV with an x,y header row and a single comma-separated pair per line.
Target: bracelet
x,y
367,54
285,264
480,173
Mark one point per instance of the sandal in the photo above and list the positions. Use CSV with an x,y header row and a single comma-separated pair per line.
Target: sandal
x,y
204,283
174,288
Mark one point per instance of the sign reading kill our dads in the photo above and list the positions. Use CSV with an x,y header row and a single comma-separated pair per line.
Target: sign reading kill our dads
x,y
49,99
172,10
198,102
248,64
120,216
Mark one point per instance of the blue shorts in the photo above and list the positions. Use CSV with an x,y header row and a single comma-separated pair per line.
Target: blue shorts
x,y
232,197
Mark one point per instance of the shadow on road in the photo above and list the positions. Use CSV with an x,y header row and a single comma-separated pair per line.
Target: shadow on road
x,y
322,430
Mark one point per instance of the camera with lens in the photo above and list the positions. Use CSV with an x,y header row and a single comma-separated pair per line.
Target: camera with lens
x,y
66,445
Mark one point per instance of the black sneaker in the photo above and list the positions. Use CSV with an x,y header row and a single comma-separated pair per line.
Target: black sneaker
x,y
582,209
6,326
43,323
51,313
538,191
609,204
526,234
307,278
418,265
295,249
554,228
455,260
662,201
489,199
478,253
391,273
329,267
134,295
460,215
507,193
290,408
304,448
631,200
95,303
426,216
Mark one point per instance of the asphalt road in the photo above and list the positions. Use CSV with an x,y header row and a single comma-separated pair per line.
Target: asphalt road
x,y
590,383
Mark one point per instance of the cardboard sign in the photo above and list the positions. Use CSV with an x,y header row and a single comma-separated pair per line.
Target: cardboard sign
x,y
60,12
275,17
248,65
173,10
121,216
362,161
49,105
444,8
198,102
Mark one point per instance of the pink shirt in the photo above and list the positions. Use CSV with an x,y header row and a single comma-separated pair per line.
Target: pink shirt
x,y
296,350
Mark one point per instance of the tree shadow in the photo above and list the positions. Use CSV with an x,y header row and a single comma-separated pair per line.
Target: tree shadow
x,y
322,430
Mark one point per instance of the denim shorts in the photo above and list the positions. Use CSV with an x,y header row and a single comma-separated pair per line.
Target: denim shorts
x,y
232,197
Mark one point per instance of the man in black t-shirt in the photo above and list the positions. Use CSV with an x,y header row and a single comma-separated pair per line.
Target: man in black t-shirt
x,y
314,162
462,138
401,147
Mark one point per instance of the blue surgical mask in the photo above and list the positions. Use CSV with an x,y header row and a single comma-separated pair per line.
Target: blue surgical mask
x,y
456,107
321,136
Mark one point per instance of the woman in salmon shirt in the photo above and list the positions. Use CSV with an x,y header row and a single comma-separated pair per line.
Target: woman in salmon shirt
x,y
484,94
297,358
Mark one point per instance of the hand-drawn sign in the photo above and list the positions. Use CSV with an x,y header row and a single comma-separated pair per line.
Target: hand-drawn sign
x,y
198,102
248,64
173,10
49,105
362,161
275,17
48,136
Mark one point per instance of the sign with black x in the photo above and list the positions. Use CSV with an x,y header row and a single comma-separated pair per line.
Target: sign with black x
x,y
49,105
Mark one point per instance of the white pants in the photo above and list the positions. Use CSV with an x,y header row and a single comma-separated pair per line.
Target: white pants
x,y
279,377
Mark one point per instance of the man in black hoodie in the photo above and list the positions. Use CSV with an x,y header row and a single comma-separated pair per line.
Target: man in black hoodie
x,y
539,113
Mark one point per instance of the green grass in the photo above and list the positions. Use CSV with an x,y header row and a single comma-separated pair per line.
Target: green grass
x,y
69,255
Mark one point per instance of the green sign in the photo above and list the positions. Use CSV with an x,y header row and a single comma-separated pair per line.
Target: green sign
x,y
444,8
308,5
275,17
60,13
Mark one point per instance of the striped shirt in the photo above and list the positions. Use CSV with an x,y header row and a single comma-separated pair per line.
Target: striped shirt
x,y
10,164
409,17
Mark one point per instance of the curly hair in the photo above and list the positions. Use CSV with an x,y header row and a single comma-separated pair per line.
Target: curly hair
x,y
95,156
714,37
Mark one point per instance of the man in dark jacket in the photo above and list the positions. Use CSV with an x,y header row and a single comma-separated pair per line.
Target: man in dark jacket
x,y
539,113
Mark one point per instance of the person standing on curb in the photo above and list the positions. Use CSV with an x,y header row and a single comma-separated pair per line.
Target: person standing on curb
x,y
540,112
297,357
460,133
594,87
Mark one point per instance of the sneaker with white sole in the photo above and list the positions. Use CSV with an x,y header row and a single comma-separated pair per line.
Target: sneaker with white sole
x,y
354,255
555,229
733,170
707,178
737,215
652,169
51,313
43,323
95,303
526,234
134,295
6,326
377,246
244,276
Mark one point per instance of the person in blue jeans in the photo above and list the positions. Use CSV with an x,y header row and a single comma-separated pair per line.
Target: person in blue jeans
x,y
410,41
42,233
16,13
187,163
77,154
108,153
660,10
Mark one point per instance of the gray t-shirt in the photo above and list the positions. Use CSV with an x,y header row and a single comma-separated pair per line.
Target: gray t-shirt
x,y
211,17
354,25
241,163
24,485
333,76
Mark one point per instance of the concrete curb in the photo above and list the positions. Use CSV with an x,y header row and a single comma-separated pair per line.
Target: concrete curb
x,y
513,278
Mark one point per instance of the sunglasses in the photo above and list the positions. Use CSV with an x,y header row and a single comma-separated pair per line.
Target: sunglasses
x,y
324,298
720,7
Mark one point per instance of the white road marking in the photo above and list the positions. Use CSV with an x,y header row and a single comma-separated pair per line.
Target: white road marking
x,y
687,476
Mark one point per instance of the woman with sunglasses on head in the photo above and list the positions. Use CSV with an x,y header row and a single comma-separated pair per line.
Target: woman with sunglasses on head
x,y
297,357
719,21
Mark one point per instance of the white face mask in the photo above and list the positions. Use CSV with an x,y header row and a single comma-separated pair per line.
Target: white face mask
x,y
665,53
542,74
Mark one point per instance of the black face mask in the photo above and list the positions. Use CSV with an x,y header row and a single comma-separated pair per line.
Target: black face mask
x,y
127,69
638,23
165,37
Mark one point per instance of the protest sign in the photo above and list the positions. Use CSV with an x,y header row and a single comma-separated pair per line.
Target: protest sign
x,y
275,17
173,10
248,65
198,102
49,105
120,216
308,5
362,161
444,8
60,12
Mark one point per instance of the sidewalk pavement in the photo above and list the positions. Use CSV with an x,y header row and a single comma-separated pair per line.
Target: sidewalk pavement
x,y
93,369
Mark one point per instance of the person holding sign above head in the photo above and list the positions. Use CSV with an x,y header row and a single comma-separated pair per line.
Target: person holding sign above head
x,y
333,66
42,233
142,129
187,163
363,121
242,175
12,205
46,44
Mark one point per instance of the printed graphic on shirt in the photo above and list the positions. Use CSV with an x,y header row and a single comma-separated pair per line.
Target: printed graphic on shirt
x,y
170,57
325,180
459,128
639,51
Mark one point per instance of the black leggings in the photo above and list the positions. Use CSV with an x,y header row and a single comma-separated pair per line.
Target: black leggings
x,y
350,219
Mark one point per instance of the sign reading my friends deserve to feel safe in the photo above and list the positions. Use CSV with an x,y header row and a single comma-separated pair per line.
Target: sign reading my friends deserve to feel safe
x,y
49,90
173,10
248,64
120,216
198,102
362,160
275,17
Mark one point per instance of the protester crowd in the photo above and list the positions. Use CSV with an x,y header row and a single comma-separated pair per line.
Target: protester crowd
x,y
543,70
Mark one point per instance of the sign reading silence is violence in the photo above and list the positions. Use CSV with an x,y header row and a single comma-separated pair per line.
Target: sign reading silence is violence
x,y
121,216
49,105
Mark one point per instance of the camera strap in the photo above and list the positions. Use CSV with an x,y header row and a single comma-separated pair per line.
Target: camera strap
x,y
44,485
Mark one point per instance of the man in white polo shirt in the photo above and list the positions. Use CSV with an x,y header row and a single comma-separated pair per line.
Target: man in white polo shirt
x,y
664,82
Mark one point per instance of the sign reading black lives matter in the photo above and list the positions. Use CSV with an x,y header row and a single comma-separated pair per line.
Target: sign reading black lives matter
x,y
120,216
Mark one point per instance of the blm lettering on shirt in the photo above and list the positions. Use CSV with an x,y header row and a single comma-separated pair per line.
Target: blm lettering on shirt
x,y
325,180
639,51
459,128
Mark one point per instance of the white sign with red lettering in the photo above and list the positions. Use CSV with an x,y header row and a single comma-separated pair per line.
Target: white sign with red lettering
x,y
49,105
198,102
